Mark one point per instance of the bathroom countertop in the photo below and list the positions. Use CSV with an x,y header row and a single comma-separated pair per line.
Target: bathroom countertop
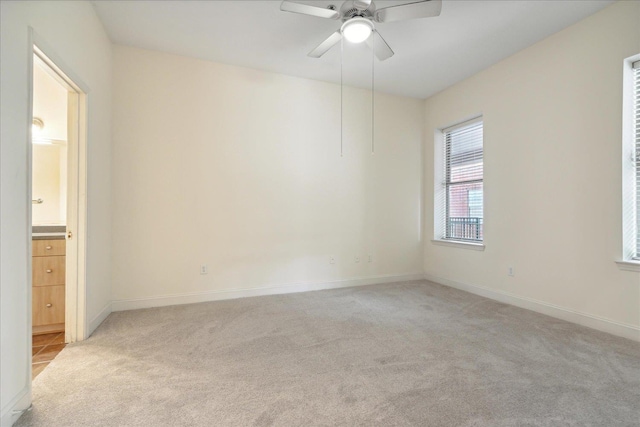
x,y
48,232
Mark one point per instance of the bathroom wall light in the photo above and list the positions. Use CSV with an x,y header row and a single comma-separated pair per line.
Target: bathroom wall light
x,y
37,125
36,132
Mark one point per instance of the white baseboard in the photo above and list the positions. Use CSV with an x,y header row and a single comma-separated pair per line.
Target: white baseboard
x,y
16,408
599,323
104,313
190,298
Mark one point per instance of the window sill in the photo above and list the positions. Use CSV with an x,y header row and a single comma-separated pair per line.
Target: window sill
x,y
459,244
629,265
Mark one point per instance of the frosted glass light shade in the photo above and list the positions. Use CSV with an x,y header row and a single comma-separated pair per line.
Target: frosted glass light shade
x,y
357,30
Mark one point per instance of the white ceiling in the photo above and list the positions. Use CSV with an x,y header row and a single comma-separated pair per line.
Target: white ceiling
x,y
431,54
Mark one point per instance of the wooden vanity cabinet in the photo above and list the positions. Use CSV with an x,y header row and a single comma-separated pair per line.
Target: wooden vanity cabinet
x,y
48,291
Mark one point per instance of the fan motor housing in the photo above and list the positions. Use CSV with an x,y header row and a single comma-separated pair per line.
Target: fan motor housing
x,y
348,11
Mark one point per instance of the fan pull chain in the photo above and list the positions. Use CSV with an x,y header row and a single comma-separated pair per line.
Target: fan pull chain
x,y
373,93
341,93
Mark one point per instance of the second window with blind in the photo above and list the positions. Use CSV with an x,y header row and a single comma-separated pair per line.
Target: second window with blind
x,y
462,192
631,162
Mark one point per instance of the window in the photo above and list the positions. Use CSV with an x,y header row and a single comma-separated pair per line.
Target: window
x,y
631,166
463,182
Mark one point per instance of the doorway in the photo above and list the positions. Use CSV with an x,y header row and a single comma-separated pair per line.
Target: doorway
x,y
57,172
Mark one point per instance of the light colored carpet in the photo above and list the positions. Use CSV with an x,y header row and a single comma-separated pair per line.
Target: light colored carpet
x,y
405,354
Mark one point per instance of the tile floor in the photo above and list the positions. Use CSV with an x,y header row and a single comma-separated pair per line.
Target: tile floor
x,y
45,349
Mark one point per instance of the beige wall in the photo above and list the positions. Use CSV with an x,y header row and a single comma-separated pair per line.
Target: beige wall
x,y
241,170
46,184
72,32
552,135
49,104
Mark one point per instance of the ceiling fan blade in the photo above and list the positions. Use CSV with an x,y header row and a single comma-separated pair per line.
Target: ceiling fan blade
x,y
380,47
415,10
362,4
323,47
305,9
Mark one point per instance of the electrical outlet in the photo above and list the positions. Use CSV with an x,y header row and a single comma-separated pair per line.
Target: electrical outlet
x,y
510,272
370,259
356,259
332,260
204,269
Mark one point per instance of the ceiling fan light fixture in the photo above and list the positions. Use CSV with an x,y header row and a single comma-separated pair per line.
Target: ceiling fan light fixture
x,y
357,30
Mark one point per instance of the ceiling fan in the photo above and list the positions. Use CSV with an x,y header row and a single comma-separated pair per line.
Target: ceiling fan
x,y
358,17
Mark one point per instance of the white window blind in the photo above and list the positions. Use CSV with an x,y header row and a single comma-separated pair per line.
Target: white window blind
x,y
464,187
636,137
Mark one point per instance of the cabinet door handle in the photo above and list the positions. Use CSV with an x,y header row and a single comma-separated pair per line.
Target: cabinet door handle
x,y
49,305
48,247
49,270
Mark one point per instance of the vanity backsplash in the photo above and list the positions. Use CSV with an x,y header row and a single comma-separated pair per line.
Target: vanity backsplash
x,y
48,232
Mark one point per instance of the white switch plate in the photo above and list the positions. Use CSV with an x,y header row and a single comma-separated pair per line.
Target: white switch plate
x,y
357,259
510,272
332,260
204,269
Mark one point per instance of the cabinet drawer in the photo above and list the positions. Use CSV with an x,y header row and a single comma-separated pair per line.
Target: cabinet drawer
x,y
48,305
48,247
48,270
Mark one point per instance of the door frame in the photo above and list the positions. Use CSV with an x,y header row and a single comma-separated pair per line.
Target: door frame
x,y
76,326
